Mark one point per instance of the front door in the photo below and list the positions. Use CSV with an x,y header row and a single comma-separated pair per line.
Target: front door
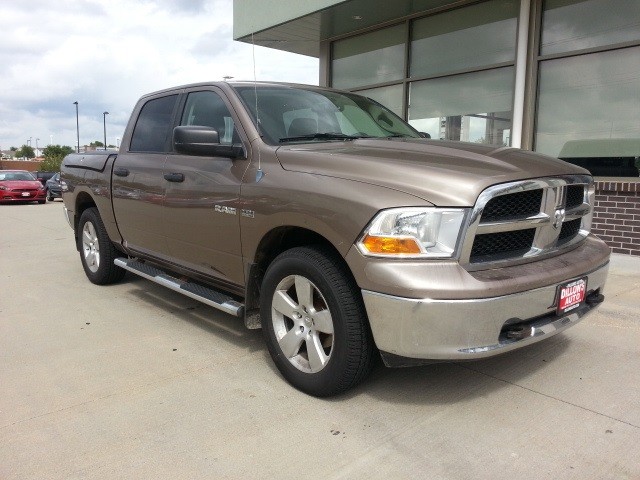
x,y
201,213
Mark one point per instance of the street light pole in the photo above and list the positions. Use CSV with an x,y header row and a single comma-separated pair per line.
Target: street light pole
x,y
104,123
77,127
37,147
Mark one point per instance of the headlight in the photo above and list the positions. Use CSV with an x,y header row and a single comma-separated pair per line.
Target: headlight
x,y
414,232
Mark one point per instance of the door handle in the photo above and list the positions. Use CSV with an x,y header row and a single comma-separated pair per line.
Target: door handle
x,y
120,172
174,177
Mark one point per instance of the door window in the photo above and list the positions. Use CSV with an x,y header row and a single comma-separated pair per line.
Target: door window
x,y
154,125
207,109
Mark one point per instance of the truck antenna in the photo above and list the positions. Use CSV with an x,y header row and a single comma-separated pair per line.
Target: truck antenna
x,y
259,173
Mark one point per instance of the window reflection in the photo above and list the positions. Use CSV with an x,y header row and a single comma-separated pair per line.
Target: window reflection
x,y
390,97
474,107
368,59
587,105
470,37
569,25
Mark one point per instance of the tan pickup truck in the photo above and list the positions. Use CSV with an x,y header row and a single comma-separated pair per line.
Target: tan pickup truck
x,y
331,223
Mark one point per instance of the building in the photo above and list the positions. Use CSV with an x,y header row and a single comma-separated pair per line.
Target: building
x,y
560,77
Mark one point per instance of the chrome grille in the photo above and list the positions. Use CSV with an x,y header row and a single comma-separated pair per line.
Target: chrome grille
x,y
517,222
516,205
493,246
569,230
575,196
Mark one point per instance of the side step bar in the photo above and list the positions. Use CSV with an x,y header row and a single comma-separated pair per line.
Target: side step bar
x,y
192,290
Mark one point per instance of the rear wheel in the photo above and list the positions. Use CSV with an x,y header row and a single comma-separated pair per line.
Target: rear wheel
x,y
97,253
314,322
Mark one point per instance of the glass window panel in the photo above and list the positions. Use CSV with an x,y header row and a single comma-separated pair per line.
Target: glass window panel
x,y
588,108
473,107
569,25
209,110
390,97
468,37
153,126
367,59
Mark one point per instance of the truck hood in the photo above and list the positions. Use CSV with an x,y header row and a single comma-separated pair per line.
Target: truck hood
x,y
444,173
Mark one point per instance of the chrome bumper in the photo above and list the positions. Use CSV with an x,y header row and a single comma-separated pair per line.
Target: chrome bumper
x,y
468,329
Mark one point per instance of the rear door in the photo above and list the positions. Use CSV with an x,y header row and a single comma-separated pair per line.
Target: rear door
x,y
138,184
202,195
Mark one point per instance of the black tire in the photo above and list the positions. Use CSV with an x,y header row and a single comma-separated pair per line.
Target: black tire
x,y
41,202
321,359
96,250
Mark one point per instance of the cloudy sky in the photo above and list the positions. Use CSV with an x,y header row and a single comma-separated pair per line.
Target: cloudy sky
x,y
104,54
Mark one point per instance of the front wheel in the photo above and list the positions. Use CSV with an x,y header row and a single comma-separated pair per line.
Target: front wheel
x,y
314,322
97,253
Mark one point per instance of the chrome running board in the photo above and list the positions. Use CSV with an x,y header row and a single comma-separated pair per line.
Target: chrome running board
x,y
196,291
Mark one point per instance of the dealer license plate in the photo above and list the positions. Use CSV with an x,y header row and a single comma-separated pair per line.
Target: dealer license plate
x,y
26,194
571,295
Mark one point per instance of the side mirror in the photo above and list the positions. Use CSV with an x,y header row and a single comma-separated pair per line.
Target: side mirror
x,y
203,141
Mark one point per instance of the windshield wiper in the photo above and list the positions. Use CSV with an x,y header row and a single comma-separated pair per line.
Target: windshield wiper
x,y
322,136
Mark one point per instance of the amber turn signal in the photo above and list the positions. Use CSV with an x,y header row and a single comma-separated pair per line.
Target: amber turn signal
x,y
390,245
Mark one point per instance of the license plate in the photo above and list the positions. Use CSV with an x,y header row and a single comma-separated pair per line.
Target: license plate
x,y
571,295
26,194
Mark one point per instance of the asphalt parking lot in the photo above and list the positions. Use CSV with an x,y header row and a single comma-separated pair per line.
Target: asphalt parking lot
x,y
134,381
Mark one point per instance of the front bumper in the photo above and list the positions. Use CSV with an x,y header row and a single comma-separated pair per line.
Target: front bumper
x,y
55,192
456,329
10,196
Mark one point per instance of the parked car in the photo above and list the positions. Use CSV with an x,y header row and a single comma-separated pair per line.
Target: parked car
x,y
53,187
20,186
42,177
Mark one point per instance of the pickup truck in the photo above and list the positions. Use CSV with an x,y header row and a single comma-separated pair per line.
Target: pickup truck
x,y
329,222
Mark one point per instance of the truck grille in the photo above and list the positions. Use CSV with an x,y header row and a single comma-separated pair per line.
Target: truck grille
x,y
516,205
515,222
495,245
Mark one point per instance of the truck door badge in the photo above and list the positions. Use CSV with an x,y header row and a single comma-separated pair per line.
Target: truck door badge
x,y
223,209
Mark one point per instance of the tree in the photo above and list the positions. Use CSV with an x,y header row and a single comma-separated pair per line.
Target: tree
x,y
25,151
96,143
53,155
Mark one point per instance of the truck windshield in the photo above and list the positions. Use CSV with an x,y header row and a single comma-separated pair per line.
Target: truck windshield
x,y
294,114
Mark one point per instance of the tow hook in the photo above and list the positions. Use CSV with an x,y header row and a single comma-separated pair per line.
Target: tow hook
x,y
518,332
594,299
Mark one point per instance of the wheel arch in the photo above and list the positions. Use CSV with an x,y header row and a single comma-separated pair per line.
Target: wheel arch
x,y
83,202
272,244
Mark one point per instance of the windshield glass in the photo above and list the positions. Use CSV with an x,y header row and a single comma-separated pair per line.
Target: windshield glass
x,y
16,176
292,114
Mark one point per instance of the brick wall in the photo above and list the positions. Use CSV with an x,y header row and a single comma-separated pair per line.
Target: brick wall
x,y
616,218
30,166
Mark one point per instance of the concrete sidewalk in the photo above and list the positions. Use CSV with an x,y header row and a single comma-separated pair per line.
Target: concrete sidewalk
x,y
134,381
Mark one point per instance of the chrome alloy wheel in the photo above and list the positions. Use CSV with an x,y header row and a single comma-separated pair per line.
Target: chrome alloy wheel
x,y
90,247
302,323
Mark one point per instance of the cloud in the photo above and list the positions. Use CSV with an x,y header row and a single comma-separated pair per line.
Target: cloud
x,y
106,54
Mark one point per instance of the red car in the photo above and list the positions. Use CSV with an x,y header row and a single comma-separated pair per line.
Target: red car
x,y
20,186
